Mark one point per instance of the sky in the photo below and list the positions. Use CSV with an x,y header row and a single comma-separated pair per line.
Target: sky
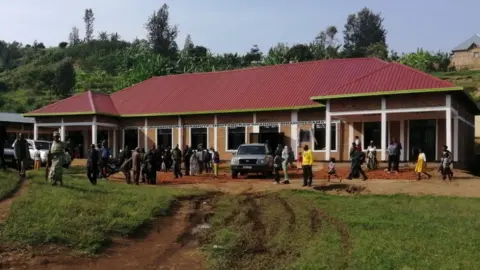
x,y
235,25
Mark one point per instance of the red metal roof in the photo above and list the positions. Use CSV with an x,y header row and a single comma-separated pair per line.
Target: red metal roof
x,y
392,78
262,88
87,102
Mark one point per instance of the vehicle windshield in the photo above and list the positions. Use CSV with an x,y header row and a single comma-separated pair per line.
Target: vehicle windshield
x,y
252,150
42,145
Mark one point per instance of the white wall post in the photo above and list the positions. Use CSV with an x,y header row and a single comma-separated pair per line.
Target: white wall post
x,y
35,131
256,128
180,133
448,120
215,133
456,139
115,150
294,132
402,139
145,132
94,130
62,132
328,131
384,130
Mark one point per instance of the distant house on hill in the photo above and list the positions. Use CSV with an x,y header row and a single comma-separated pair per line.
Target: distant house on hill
x,y
467,54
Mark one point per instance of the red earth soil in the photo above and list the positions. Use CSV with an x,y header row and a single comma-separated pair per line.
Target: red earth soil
x,y
224,176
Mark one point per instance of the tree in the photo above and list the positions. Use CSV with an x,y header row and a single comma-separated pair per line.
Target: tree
x,y
378,50
89,19
161,34
114,37
277,54
74,37
363,30
62,45
254,56
64,80
103,35
299,53
188,44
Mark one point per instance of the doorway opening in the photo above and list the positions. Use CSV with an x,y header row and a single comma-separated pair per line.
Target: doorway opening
x,y
131,138
422,134
269,135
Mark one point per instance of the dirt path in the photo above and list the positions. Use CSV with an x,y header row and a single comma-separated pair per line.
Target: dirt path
x,y
465,187
7,203
170,244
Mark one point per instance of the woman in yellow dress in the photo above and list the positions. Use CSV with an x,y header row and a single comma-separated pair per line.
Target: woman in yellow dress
x,y
421,165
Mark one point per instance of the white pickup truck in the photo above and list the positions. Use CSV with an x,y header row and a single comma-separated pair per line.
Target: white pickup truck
x,y
42,146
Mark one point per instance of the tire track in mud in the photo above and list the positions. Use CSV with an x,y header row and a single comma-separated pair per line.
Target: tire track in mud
x,y
292,220
258,230
319,218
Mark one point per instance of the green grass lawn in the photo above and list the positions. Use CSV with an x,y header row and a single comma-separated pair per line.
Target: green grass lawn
x,y
317,231
80,215
8,182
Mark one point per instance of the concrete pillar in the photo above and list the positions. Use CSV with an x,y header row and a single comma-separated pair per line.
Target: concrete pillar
x,y
35,131
145,131
115,146
215,133
94,130
62,132
256,128
180,133
328,131
383,132
294,132
448,119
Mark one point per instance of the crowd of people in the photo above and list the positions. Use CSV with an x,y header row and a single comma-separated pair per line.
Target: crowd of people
x,y
140,166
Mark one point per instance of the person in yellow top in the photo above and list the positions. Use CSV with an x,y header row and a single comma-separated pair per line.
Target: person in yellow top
x,y
421,165
307,162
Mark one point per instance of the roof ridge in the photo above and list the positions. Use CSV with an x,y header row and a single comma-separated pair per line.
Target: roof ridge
x,y
363,77
58,101
92,103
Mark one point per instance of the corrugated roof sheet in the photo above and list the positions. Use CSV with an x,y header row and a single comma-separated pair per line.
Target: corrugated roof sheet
x,y
15,118
86,102
271,87
391,78
467,44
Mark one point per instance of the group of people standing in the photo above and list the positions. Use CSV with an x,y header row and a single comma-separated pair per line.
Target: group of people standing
x,y
140,166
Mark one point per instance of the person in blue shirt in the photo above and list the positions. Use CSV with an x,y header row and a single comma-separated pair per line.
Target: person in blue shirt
x,y
105,156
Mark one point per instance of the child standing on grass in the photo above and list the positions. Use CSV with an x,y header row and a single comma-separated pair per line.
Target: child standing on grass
x,y
37,161
421,165
332,170
299,161
277,165
216,163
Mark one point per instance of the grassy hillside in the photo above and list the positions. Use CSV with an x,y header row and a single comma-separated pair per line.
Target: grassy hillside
x,y
469,79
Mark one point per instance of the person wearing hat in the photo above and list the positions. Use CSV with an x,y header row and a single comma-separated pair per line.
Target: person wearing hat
x,y
57,152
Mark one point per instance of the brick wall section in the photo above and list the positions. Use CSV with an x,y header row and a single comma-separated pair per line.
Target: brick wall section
x,y
279,116
415,100
162,120
198,119
224,155
355,104
311,114
235,118
133,121
151,139
286,129
211,137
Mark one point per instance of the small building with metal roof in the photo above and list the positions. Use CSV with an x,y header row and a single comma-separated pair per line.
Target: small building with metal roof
x,y
467,54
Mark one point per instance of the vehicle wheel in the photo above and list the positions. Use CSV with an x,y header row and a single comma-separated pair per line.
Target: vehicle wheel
x,y
234,174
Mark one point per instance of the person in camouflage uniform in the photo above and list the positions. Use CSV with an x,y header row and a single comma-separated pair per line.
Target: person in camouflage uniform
x,y
57,152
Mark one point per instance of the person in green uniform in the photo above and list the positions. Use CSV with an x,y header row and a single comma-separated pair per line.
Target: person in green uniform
x,y
57,152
